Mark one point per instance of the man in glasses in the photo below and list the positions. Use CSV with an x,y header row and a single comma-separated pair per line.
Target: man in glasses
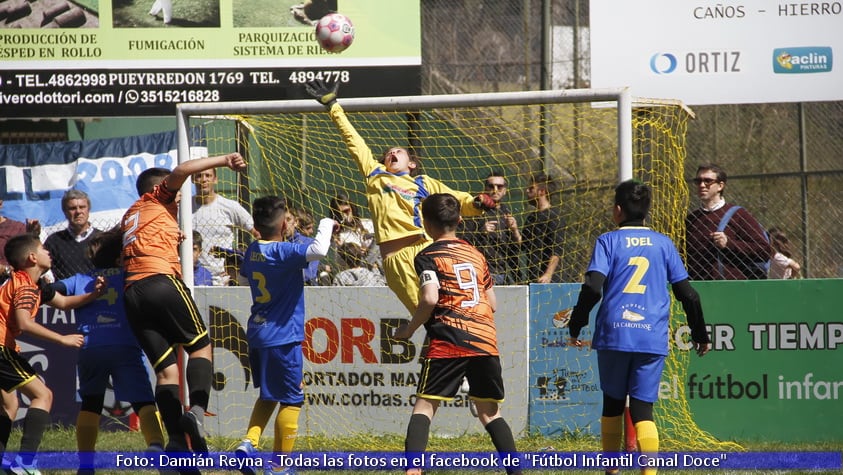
x,y
496,233
723,244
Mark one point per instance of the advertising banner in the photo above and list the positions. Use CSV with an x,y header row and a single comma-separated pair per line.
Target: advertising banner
x,y
110,58
355,379
718,53
774,372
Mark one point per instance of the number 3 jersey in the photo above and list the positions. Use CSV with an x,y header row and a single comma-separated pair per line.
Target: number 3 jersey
x,y
463,322
638,263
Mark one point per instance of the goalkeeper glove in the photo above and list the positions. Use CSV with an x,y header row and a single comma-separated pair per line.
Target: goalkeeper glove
x,y
484,202
323,92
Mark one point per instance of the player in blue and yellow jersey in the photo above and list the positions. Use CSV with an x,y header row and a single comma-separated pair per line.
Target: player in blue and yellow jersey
x,y
273,267
160,310
456,306
394,192
631,268
110,350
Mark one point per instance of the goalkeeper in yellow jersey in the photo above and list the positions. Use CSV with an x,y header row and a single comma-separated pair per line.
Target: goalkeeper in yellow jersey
x,y
394,193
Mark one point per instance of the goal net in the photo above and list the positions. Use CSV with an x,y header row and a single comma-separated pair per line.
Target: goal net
x,y
359,381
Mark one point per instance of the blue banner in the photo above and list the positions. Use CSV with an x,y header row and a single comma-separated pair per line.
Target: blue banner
x,y
34,177
379,461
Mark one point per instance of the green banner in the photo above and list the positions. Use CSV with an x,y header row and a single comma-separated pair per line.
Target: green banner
x,y
776,366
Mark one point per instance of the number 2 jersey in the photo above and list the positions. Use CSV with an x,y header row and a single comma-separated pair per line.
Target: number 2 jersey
x,y
463,322
638,263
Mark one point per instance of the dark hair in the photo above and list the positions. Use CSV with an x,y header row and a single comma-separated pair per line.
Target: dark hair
x,y
19,247
268,213
149,178
104,249
780,242
441,210
341,198
634,198
352,254
713,167
543,181
197,238
498,174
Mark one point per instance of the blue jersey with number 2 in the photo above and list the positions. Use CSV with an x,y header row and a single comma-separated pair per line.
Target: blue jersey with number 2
x,y
638,263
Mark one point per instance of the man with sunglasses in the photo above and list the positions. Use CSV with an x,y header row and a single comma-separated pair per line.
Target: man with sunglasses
x,y
496,233
728,254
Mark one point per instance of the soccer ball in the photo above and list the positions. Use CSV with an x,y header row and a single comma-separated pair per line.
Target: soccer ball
x,y
334,32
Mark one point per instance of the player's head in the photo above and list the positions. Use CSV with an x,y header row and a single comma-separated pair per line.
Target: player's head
x,y
149,179
441,213
270,215
104,249
26,250
632,201
401,160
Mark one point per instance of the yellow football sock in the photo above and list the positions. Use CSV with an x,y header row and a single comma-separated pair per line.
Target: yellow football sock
x,y
286,428
259,419
87,429
611,433
150,425
648,441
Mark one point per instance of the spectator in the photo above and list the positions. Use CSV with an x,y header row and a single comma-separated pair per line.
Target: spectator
x,y
310,274
354,229
542,232
68,247
9,228
358,274
201,275
306,222
496,234
217,218
782,265
730,254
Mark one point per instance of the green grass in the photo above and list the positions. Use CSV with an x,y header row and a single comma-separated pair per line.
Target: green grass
x,y
64,439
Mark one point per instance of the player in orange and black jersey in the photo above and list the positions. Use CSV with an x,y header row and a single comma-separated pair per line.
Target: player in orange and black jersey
x,y
159,307
456,306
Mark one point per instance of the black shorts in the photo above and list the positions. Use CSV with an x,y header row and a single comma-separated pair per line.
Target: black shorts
x,y
162,315
15,371
441,378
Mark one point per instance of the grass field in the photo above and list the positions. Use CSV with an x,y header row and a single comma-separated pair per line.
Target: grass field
x,y
64,439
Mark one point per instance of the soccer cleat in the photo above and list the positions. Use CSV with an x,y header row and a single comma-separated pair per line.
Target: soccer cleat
x,y
246,451
19,468
191,424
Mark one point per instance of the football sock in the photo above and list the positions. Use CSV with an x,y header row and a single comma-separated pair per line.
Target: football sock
x,y
150,425
418,431
5,430
260,417
611,433
501,435
648,441
34,425
286,428
199,373
167,399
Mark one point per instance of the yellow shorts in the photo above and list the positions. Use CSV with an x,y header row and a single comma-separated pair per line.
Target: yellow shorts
x,y
401,275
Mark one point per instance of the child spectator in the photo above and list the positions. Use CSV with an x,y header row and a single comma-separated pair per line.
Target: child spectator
x,y
201,275
357,274
782,266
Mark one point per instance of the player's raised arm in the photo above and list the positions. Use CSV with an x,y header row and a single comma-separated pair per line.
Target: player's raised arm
x,y
183,170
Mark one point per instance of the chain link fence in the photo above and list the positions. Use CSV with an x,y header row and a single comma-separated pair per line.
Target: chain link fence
x,y
785,161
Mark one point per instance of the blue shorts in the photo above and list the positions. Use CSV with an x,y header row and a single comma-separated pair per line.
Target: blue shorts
x,y
124,364
277,371
625,373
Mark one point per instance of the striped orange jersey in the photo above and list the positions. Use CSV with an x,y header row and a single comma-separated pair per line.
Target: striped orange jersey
x,y
463,323
151,236
17,293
